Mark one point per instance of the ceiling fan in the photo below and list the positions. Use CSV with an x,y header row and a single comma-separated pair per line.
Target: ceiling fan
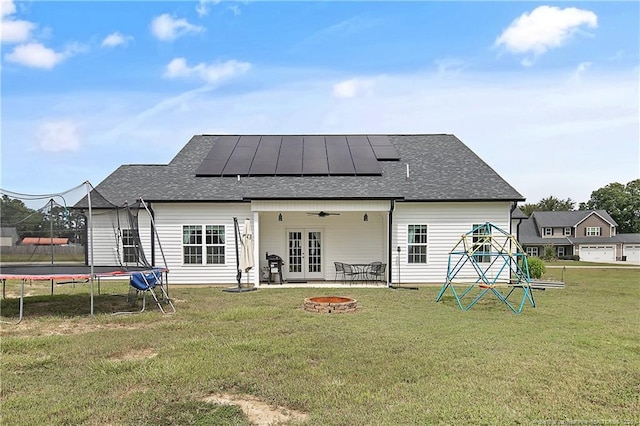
x,y
323,214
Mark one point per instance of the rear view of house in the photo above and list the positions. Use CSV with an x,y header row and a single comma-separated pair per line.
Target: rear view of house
x,y
312,200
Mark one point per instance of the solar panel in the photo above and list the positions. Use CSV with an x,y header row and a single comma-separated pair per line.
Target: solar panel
x,y
242,156
273,155
385,153
364,160
314,156
266,159
383,148
290,158
339,156
217,158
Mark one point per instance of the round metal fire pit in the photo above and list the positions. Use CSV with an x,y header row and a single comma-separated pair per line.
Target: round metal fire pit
x,y
330,304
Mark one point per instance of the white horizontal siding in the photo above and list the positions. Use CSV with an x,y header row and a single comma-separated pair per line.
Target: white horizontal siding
x,y
169,220
446,223
107,226
346,237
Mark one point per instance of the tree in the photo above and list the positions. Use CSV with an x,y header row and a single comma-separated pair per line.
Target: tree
x,y
622,202
14,213
548,204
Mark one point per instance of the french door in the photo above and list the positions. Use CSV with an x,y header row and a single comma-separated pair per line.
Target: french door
x,y
304,254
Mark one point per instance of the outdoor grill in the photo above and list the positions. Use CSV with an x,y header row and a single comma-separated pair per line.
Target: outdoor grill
x,y
275,266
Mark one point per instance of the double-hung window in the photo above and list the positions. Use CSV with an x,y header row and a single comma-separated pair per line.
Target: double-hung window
x,y
481,244
567,231
129,252
215,244
532,251
203,244
548,232
192,244
592,231
417,244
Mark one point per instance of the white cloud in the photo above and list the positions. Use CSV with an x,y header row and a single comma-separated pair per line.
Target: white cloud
x,y
546,27
57,136
35,55
13,30
352,88
580,70
116,39
203,6
7,8
167,28
209,73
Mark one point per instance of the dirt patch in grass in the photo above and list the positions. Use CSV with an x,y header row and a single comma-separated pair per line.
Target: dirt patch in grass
x,y
65,328
258,412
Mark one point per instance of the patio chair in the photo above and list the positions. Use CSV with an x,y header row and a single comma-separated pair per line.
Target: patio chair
x,y
376,271
351,273
150,282
339,271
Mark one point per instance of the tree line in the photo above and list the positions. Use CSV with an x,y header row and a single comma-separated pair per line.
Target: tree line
x,y
65,222
622,202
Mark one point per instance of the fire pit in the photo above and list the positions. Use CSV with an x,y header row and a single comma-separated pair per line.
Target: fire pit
x,y
330,304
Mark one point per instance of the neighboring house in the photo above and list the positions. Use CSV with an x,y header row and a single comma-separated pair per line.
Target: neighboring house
x,y
404,200
589,234
8,236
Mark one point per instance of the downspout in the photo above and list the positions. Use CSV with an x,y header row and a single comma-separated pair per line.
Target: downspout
x,y
390,242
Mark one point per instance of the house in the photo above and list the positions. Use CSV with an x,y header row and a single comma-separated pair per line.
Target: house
x,y
8,236
404,200
590,234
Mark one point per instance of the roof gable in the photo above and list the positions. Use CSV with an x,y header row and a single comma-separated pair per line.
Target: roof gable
x,y
571,218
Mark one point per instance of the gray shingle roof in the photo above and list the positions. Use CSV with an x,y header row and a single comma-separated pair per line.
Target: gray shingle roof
x,y
441,168
556,219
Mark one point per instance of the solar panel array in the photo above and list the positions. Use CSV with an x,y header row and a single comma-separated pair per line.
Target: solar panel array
x,y
297,155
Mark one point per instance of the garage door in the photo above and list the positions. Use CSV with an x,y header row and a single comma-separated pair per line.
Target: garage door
x,y
597,253
632,252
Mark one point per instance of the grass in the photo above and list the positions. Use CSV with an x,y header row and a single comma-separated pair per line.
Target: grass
x,y
401,359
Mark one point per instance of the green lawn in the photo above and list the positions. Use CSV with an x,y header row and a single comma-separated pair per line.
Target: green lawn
x,y
401,359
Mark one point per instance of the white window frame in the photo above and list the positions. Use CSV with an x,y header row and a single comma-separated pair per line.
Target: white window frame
x,y
547,232
592,231
129,252
478,233
567,231
532,251
215,239
560,251
203,244
417,243
192,244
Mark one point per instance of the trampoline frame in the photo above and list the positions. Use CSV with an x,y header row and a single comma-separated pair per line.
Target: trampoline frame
x,y
91,277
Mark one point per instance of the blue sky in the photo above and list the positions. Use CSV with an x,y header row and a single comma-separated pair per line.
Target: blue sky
x,y
546,93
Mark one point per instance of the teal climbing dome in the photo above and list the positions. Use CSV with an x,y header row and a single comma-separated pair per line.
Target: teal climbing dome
x,y
488,261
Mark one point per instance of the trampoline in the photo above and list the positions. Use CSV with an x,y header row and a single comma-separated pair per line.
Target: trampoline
x,y
77,236
67,273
